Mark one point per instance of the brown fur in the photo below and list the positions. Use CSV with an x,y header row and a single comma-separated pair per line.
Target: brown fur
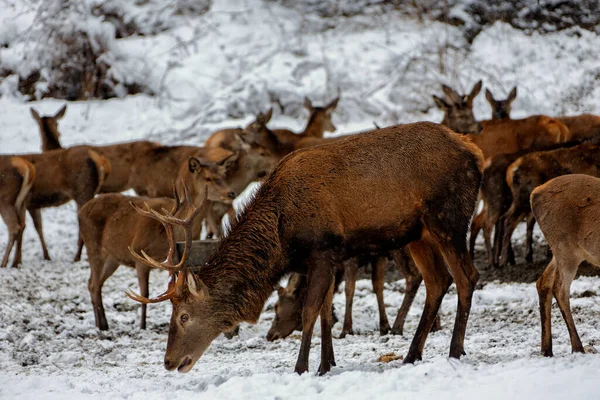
x,y
318,207
16,179
63,175
109,225
582,126
534,169
501,108
568,211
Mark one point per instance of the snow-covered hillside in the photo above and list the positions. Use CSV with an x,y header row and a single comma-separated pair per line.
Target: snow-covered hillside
x,y
217,69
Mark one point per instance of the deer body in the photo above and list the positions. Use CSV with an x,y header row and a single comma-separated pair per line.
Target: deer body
x,y
567,209
110,226
582,126
17,176
316,208
534,169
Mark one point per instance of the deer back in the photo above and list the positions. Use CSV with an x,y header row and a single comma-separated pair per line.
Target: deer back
x,y
582,126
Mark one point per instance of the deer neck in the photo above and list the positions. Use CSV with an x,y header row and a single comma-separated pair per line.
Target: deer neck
x,y
241,275
314,126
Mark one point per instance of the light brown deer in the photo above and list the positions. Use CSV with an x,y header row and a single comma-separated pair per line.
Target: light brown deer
x,y
110,226
319,122
567,209
505,136
16,179
121,156
288,309
354,197
63,175
534,169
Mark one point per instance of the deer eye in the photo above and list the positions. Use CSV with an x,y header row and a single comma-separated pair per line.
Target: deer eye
x,y
184,318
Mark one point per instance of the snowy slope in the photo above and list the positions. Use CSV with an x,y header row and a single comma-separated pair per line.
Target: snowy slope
x,y
231,62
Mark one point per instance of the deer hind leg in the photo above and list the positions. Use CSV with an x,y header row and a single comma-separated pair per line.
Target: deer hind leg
x,y
529,238
566,269
327,356
377,278
11,218
465,276
321,272
143,274
350,276
100,270
511,219
36,216
544,287
476,226
437,281
413,280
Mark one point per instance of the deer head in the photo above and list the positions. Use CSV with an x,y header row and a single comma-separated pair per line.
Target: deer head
x,y
321,116
199,175
288,309
458,109
501,108
49,128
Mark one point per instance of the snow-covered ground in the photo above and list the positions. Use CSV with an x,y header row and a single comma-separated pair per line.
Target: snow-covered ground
x,y
229,60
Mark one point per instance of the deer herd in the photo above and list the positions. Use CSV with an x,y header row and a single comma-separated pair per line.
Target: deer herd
x,y
326,207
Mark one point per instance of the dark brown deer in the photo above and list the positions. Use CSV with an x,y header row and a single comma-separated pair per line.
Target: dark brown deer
x,y
16,179
121,156
567,209
501,108
505,136
63,175
534,169
110,225
288,309
317,207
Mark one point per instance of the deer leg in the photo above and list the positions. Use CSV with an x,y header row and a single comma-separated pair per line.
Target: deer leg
x,y
79,238
100,271
566,269
321,271
11,218
18,250
544,287
350,276
487,238
143,274
413,280
476,226
511,220
378,276
213,221
529,238
327,356
437,281
36,216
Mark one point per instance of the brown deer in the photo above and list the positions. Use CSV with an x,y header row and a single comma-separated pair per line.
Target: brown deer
x,y
121,156
16,179
110,225
568,211
63,175
582,126
534,169
288,309
501,108
319,122
319,206
503,136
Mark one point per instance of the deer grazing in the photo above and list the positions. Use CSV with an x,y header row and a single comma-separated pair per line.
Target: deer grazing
x,y
567,209
288,309
316,208
503,136
110,225
16,179
534,169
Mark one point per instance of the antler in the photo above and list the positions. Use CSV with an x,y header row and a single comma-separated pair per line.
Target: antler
x,y
168,220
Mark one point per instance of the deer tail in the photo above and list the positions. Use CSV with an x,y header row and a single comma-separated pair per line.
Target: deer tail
x,y
102,166
27,172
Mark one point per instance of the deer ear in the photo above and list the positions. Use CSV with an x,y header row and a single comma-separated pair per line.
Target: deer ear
x,y
268,115
35,114
451,94
474,92
489,97
441,104
61,112
308,104
195,164
196,287
230,159
331,106
512,95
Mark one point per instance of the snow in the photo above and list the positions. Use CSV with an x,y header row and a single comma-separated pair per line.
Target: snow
x,y
216,70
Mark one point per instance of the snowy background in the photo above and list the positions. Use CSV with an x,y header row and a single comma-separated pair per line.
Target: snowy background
x,y
175,71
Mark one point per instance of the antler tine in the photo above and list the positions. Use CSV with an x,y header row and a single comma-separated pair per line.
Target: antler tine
x,y
194,212
168,294
177,199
